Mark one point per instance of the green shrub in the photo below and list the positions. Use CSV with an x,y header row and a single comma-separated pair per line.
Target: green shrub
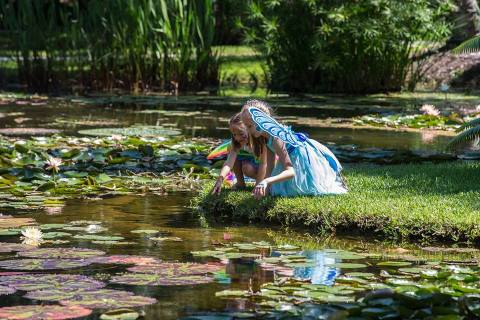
x,y
353,46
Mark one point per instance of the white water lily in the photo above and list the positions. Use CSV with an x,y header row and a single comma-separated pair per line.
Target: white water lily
x,y
53,164
32,236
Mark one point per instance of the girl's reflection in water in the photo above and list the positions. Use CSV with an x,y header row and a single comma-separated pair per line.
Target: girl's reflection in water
x,y
322,272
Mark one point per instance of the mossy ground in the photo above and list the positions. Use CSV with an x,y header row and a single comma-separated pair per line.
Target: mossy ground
x,y
414,201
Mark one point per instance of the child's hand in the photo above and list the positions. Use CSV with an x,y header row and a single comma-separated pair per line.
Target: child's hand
x,y
218,185
260,189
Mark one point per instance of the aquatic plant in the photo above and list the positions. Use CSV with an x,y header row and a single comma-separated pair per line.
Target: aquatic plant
x,y
135,45
40,312
32,236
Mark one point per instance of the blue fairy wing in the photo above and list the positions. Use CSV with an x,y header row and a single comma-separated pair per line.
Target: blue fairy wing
x,y
272,127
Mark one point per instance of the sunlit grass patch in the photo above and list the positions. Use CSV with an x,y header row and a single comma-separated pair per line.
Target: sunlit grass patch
x,y
427,201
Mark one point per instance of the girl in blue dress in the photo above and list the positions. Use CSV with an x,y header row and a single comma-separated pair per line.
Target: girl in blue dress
x,y
304,167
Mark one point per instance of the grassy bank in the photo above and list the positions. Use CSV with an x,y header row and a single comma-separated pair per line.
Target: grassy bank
x,y
430,201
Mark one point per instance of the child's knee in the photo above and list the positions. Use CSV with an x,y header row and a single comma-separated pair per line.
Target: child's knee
x,y
249,170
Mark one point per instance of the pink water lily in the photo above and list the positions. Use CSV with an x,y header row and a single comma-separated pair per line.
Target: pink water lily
x,y
53,164
430,110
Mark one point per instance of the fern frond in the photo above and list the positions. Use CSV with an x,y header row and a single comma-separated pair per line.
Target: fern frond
x,y
465,136
470,124
468,46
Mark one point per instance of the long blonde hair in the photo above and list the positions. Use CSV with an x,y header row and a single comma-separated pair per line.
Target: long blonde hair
x,y
236,120
256,144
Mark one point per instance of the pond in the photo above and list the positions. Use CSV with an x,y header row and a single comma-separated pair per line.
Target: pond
x,y
352,264
207,120
120,246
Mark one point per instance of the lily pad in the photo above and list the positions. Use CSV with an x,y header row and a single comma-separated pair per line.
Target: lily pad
x,y
394,264
342,265
108,299
6,290
125,259
49,226
42,264
113,242
120,314
9,232
13,247
61,253
143,131
53,235
28,131
146,231
66,282
41,312
175,269
98,238
161,239
143,279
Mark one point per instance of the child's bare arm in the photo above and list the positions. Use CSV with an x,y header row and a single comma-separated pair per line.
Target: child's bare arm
x,y
287,173
227,167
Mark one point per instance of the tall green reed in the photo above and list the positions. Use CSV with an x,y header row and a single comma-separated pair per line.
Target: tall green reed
x,y
129,44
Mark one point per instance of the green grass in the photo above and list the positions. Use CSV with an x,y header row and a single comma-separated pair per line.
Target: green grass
x,y
241,71
428,201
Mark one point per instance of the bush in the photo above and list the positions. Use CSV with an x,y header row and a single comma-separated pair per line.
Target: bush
x,y
353,46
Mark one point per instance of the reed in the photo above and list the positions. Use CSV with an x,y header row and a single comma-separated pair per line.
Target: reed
x,y
128,44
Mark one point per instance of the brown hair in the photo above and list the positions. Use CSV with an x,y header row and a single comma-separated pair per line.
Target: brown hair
x,y
236,120
256,144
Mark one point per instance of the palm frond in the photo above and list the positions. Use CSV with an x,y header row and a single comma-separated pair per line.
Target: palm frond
x,y
470,124
468,46
464,137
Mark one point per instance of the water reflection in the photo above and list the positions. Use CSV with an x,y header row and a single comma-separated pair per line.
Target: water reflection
x,y
322,272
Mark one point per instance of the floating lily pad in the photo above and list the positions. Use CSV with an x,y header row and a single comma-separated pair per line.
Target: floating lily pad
x,y
49,226
394,264
53,235
9,232
143,131
342,265
67,282
143,279
61,253
42,312
175,269
6,290
12,247
98,238
83,222
120,314
414,270
42,264
146,231
161,239
108,299
345,255
125,259
28,131
113,242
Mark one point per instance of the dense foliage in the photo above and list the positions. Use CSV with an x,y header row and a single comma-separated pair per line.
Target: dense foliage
x,y
106,44
344,46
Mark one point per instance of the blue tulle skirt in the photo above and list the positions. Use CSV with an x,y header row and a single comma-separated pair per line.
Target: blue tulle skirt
x,y
317,172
